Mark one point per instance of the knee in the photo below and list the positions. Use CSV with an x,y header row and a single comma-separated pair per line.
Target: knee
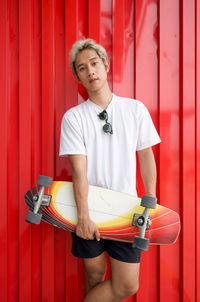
x,y
94,278
125,290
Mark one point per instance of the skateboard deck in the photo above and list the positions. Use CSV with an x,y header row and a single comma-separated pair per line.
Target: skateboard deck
x,y
113,212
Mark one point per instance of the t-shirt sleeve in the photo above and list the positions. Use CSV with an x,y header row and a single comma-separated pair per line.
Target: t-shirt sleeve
x,y
147,134
71,138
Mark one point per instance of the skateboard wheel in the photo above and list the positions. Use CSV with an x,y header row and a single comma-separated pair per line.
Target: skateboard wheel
x,y
141,243
140,220
149,202
33,218
44,181
35,197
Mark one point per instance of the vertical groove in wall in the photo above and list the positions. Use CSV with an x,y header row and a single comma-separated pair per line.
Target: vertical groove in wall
x,y
153,47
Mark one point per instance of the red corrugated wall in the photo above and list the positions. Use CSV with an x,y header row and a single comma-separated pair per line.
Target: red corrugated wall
x,y
154,49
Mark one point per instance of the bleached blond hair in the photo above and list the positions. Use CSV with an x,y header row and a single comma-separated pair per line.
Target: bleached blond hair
x,y
80,45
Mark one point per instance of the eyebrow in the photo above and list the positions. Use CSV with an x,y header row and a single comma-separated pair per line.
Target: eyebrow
x,y
89,60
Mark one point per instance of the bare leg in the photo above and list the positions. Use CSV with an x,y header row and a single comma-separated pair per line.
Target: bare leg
x,y
124,283
95,269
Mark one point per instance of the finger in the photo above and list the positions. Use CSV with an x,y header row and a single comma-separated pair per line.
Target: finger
x,y
97,235
80,234
91,237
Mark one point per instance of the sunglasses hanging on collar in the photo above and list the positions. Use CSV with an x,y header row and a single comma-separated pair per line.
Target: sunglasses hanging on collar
x,y
107,127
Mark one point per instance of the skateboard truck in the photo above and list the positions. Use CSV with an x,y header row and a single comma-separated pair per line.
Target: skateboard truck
x,y
40,199
143,222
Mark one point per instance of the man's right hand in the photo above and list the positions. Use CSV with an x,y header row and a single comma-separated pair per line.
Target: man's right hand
x,y
87,229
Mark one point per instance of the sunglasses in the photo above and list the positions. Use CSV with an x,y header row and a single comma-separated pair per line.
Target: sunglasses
x,y
107,127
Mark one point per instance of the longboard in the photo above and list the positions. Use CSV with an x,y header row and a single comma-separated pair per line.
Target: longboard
x,y
119,216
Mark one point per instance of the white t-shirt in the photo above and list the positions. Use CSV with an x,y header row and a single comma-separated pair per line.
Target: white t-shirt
x,y
111,158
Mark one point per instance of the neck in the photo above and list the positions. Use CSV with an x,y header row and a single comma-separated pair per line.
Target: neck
x,y
102,97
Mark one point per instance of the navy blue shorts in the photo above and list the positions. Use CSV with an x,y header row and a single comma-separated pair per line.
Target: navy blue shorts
x,y
121,251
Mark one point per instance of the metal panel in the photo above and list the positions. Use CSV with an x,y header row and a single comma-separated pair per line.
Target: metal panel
x,y
25,146
4,87
153,47
187,147
169,129
146,73
197,160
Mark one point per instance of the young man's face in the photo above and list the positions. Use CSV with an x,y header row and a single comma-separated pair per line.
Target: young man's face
x,y
91,70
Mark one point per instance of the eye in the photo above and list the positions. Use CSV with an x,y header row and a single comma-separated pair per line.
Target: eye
x,y
94,63
81,68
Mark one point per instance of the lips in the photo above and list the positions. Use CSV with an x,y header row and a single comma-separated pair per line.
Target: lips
x,y
92,80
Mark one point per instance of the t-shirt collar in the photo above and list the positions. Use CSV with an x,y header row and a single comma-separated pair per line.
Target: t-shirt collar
x,y
98,109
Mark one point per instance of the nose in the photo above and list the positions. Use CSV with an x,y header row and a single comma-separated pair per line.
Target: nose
x,y
90,70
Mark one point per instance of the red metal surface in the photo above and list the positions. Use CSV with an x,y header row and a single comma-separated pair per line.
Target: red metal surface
x,y
197,160
154,51
25,146
4,84
188,146
169,124
146,71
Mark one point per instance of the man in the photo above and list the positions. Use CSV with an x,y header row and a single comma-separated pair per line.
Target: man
x,y
101,137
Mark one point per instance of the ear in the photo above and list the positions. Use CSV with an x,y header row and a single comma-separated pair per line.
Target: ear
x,y
107,66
